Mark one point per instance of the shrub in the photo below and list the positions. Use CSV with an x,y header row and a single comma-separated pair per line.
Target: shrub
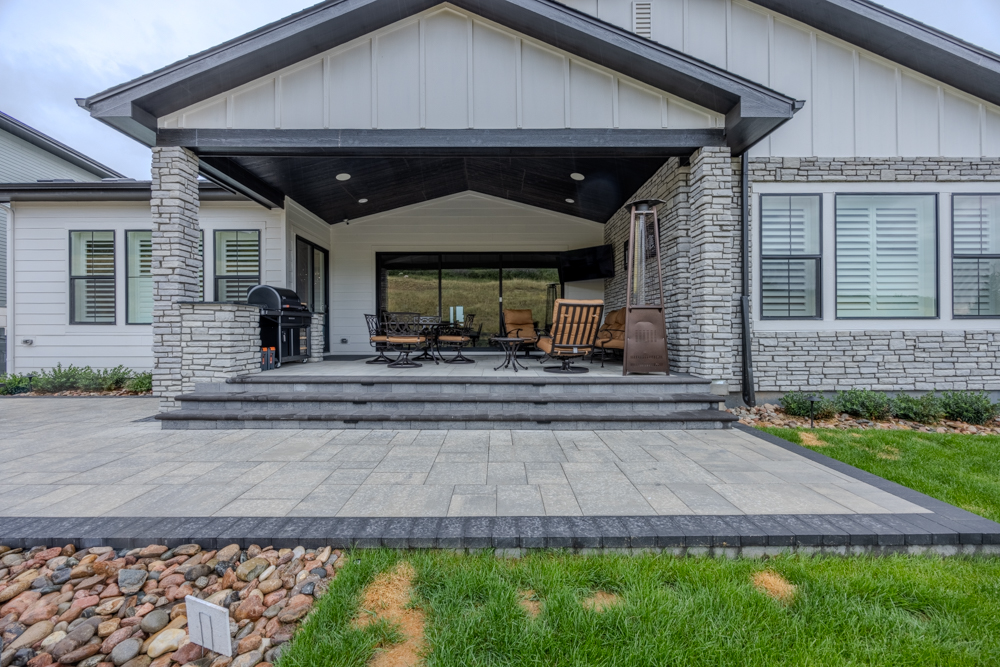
x,y
796,404
973,407
13,384
60,379
864,403
87,379
926,409
115,378
142,382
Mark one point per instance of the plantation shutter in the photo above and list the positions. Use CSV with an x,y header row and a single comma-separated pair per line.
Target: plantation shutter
x,y
92,277
139,295
237,264
790,256
976,250
886,256
642,19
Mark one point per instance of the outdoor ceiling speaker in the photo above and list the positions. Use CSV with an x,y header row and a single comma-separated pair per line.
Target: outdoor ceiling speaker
x,y
645,313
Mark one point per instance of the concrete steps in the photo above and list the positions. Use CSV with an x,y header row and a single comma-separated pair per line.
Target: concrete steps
x,y
436,402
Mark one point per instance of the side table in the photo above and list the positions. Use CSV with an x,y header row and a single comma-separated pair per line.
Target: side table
x,y
509,345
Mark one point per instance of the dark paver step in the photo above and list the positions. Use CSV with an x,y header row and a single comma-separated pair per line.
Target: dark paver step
x,y
451,397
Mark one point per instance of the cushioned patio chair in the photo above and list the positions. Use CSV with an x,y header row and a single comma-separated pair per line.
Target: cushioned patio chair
x,y
404,334
377,339
611,337
457,337
575,324
518,323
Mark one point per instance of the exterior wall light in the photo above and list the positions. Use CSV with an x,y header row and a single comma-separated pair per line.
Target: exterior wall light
x,y
577,176
343,177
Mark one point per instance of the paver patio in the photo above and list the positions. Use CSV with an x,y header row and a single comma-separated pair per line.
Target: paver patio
x,y
103,457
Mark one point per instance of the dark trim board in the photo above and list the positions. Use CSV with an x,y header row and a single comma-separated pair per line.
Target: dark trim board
x,y
945,527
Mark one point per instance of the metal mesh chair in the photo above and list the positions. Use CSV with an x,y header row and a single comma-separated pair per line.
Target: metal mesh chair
x,y
404,334
574,330
377,338
457,337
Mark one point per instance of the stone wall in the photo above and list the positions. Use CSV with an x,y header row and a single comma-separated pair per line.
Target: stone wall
x,y
882,360
218,341
176,261
316,339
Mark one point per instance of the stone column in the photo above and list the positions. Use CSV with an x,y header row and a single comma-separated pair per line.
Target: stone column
x,y
176,261
316,339
219,341
712,233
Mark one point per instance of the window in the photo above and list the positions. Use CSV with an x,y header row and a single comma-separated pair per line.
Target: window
x,y
139,277
886,256
976,255
237,264
92,277
790,233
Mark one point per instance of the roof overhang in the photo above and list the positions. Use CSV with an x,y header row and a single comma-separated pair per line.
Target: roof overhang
x,y
901,40
122,191
752,111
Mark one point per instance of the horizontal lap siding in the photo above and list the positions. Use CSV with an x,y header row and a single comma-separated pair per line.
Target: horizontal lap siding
x,y
41,274
467,222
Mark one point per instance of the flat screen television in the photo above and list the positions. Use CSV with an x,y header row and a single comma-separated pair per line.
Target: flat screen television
x,y
587,264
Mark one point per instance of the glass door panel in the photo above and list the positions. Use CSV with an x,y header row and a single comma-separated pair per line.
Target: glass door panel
x,y
470,285
311,274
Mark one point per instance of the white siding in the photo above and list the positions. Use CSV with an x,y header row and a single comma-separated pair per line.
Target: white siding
x,y
21,162
857,103
467,221
449,69
41,278
299,221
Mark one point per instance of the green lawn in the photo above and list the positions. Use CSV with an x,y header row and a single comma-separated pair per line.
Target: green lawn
x,y
669,611
963,470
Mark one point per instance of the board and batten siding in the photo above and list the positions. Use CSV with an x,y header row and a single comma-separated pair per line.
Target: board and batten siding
x,y
444,69
299,221
40,308
857,103
464,222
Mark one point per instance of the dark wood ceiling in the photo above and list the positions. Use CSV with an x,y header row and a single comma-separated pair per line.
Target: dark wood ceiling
x,y
392,182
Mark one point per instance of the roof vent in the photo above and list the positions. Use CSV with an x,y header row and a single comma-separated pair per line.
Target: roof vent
x,y
642,19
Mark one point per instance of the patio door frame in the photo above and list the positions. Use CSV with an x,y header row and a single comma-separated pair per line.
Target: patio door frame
x,y
326,285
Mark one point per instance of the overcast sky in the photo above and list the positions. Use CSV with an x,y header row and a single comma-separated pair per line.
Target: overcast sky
x,y
53,51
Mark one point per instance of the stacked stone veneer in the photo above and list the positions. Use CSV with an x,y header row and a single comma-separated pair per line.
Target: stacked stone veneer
x,y
901,360
218,341
176,261
696,246
316,339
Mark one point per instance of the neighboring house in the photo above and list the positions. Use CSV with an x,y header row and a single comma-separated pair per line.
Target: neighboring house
x,y
26,156
409,131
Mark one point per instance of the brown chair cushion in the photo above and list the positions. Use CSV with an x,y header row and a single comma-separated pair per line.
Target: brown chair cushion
x,y
405,340
613,344
614,325
379,339
454,339
545,345
520,319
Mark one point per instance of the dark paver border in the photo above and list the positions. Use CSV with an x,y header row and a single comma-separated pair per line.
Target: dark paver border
x,y
942,526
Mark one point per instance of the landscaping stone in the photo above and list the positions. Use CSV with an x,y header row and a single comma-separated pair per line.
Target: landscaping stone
x,y
769,414
131,581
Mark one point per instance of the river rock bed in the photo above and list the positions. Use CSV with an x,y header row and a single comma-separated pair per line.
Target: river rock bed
x,y
772,415
99,607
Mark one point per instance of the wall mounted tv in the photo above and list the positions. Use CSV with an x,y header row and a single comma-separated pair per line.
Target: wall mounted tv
x,y
587,264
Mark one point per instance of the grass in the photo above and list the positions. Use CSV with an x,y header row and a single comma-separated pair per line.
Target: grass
x,y
669,611
963,470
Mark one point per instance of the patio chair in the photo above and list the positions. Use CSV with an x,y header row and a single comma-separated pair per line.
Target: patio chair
x,y
611,337
574,330
519,323
404,334
377,339
457,337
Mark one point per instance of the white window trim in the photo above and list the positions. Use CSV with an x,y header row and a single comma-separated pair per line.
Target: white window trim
x,y
829,321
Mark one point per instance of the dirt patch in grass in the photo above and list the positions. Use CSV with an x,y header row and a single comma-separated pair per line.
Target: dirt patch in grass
x,y
601,600
891,454
811,440
530,603
775,586
387,598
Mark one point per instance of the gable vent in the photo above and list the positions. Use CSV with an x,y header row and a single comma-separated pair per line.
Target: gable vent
x,y
642,19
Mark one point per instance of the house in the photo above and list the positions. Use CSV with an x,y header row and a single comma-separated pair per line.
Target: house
x,y
831,173
26,156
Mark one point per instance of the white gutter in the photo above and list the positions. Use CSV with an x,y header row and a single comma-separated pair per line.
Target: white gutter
x,y
10,286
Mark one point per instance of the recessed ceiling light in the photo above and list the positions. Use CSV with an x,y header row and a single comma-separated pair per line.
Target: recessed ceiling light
x,y
362,201
570,201
577,176
343,177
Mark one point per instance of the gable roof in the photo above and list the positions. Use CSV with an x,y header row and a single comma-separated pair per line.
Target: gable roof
x,y
60,150
902,40
752,110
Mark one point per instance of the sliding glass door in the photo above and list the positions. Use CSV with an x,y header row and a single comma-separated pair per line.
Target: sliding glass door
x,y
455,285
311,266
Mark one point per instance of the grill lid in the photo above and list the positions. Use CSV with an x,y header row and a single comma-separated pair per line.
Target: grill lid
x,y
276,298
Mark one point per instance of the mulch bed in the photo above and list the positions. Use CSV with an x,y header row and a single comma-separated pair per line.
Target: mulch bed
x,y
772,415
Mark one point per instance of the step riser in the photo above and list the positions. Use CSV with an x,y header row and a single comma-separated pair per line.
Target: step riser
x,y
442,408
198,425
525,389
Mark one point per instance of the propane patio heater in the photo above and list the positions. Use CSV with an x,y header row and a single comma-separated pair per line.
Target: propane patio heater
x,y
645,323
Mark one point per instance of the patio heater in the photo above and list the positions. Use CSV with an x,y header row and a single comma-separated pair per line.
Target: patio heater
x,y
645,321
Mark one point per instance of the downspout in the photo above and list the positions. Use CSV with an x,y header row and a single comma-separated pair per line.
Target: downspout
x,y
749,395
10,286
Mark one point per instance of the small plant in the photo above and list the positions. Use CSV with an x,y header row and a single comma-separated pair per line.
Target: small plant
x,y
143,382
796,404
59,379
972,407
925,409
14,384
112,379
864,403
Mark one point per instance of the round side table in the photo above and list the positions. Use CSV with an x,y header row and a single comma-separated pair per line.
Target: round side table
x,y
509,345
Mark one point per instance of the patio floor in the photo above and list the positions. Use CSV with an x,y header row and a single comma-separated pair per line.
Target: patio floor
x,y
484,367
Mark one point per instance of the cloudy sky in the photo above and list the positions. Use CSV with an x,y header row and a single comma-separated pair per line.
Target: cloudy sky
x,y
53,51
